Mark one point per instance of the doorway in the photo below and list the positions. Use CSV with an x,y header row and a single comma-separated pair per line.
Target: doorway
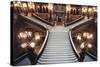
x,y
59,18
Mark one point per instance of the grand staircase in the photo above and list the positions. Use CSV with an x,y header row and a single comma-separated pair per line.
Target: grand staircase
x,y
58,48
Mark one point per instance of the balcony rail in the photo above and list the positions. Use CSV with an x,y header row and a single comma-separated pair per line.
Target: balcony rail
x,y
43,45
92,56
74,21
45,21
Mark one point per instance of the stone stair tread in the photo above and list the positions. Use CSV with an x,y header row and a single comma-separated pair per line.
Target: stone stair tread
x,y
58,48
57,62
57,59
60,56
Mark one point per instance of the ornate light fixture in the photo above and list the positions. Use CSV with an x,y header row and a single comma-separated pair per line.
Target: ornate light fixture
x,y
89,45
25,34
82,45
90,36
37,36
78,37
85,34
24,45
84,39
32,44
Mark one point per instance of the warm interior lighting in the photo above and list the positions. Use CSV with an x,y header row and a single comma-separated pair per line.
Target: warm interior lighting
x,y
22,35
78,37
85,34
32,44
37,36
84,9
18,2
16,5
25,34
24,5
82,45
24,45
90,9
90,36
30,5
29,33
68,7
33,5
50,6
89,45
94,9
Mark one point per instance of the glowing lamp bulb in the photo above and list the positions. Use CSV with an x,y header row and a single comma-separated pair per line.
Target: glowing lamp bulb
x,y
90,36
32,44
29,33
24,5
89,9
37,36
23,45
82,45
78,37
89,45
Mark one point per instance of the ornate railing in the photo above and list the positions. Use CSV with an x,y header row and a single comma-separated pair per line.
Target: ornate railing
x,y
44,21
74,21
73,46
72,42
